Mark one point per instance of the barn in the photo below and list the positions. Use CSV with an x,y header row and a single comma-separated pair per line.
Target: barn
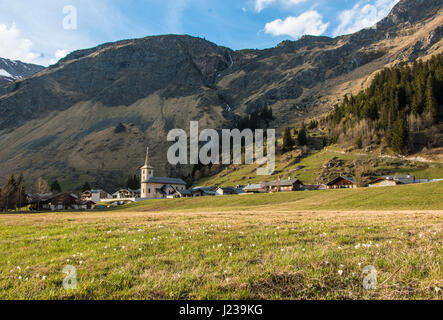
x,y
342,183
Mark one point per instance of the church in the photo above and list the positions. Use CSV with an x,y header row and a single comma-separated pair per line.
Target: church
x,y
158,187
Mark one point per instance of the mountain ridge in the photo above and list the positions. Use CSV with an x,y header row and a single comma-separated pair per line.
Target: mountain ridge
x,y
11,70
61,121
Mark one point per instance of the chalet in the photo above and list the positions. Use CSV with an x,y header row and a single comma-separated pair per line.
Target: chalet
x,y
283,185
255,188
204,192
95,195
384,182
60,201
403,179
87,205
126,194
342,183
184,193
227,191
158,187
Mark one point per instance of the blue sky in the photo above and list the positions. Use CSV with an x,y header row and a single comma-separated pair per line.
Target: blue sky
x,y
33,31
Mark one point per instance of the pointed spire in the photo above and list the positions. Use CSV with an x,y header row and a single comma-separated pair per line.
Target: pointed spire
x,y
147,157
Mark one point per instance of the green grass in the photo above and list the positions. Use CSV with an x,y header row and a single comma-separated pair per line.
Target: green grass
x,y
300,245
408,197
240,255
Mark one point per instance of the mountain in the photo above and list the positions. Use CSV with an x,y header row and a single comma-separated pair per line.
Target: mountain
x,y
12,70
91,116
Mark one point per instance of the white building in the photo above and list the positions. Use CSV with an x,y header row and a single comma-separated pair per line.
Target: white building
x,y
158,187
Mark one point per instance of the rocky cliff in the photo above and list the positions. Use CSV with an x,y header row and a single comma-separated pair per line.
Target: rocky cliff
x,y
61,122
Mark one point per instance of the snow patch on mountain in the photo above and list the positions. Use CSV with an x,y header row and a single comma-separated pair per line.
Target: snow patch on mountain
x,y
4,73
12,70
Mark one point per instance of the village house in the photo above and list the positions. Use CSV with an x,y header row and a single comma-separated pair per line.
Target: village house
x,y
185,193
60,201
255,188
384,182
87,205
283,185
227,191
204,191
402,179
342,183
158,187
95,196
126,194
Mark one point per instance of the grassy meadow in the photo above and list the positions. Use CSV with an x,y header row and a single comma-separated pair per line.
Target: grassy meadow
x,y
302,245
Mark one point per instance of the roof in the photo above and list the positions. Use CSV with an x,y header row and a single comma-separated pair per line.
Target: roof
x,y
400,177
341,178
384,179
97,191
282,183
253,187
185,192
126,190
86,202
49,197
204,188
163,180
232,190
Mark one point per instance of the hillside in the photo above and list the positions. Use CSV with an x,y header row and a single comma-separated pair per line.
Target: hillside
x,y
402,109
61,123
321,166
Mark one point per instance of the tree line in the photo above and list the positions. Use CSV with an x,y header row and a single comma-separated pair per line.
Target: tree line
x,y
399,101
13,195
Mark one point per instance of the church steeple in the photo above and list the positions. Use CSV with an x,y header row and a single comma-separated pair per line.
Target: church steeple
x,y
147,166
147,157
146,173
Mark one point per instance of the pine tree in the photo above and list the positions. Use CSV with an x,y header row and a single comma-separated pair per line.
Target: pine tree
x,y
21,191
9,194
302,136
358,143
431,110
86,186
55,187
288,142
400,135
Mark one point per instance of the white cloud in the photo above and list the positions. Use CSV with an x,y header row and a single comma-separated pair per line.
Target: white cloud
x,y
363,15
59,54
41,22
259,5
14,46
308,23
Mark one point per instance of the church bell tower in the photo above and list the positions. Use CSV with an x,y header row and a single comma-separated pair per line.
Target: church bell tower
x,y
146,173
